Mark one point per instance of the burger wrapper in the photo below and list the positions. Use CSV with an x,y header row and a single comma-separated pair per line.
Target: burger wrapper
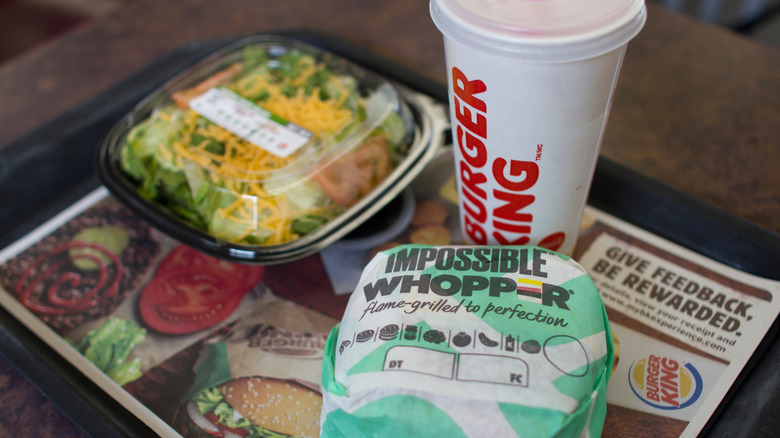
x,y
277,339
466,342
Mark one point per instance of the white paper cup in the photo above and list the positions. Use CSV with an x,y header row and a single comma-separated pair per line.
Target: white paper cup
x,y
530,88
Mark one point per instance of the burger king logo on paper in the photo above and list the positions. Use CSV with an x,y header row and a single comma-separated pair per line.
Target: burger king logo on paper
x,y
286,342
665,383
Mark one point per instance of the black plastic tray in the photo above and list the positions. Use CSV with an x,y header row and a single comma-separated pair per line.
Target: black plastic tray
x,y
47,170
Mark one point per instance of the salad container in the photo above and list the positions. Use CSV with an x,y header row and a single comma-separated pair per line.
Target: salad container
x,y
269,150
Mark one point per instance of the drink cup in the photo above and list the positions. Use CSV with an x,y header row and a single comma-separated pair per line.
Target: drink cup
x,y
530,89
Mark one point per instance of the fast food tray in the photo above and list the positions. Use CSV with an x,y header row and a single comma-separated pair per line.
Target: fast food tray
x,y
52,167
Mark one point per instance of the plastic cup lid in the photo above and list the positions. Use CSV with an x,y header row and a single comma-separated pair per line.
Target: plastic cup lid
x,y
541,30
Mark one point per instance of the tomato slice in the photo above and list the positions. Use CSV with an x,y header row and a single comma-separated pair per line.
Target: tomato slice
x,y
185,258
192,291
354,174
214,418
180,303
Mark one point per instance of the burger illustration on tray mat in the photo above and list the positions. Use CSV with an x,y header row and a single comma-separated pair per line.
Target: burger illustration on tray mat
x,y
261,378
253,407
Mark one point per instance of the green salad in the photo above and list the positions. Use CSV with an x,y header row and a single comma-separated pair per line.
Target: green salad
x,y
268,149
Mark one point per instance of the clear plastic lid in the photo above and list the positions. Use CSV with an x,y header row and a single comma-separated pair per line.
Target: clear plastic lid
x,y
541,30
268,146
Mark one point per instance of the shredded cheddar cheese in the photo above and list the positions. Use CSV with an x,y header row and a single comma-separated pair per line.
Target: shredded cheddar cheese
x,y
195,156
240,166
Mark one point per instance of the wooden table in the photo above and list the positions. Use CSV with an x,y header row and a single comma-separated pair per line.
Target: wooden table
x,y
696,108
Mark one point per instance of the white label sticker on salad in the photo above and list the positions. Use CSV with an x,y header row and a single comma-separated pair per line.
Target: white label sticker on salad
x,y
251,122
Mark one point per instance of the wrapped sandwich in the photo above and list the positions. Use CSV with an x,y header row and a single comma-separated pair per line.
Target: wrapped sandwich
x,y
469,341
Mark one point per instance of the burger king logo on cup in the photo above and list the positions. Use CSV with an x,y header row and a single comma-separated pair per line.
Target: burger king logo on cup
x,y
665,383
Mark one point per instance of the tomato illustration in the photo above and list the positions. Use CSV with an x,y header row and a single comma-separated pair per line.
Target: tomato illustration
x,y
184,258
193,291
462,339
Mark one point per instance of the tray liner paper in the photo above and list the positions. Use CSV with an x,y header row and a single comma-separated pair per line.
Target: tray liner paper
x,y
666,305
465,341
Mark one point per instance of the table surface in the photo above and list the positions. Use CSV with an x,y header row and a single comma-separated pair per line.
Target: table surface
x,y
696,107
